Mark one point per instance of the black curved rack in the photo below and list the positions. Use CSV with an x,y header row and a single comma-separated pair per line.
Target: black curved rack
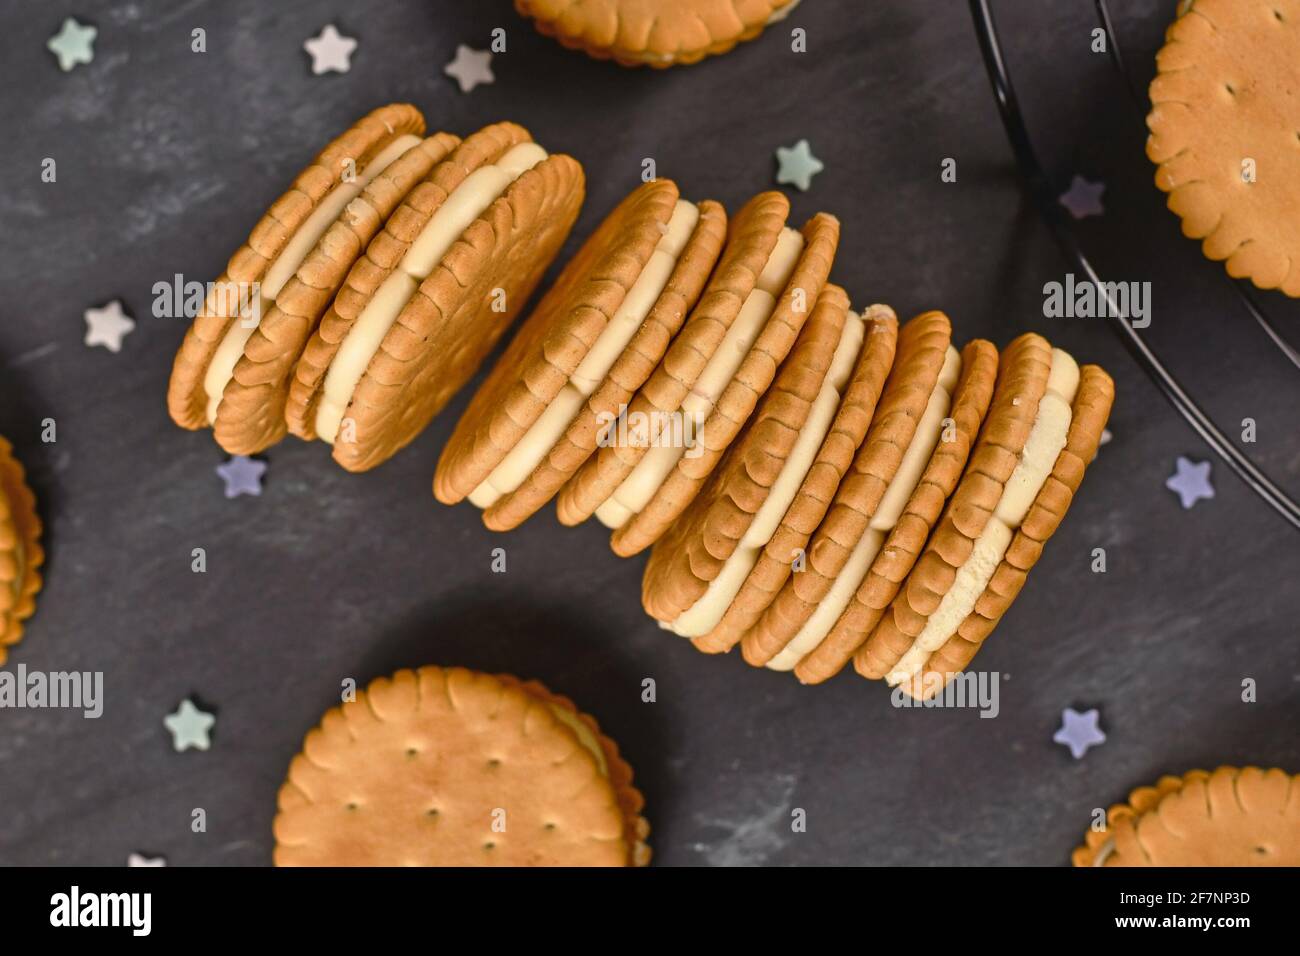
x,y
1044,198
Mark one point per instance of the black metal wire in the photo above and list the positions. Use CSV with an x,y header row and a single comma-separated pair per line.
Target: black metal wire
x,y
1044,197
1116,54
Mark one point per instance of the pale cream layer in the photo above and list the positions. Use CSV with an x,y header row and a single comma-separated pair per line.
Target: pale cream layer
x,y
543,434
704,615
466,203
1046,439
582,732
222,367
636,490
897,493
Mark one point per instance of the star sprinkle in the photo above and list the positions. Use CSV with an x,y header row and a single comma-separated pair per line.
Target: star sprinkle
x,y
189,727
331,52
139,859
108,325
797,165
1083,198
1190,481
1079,731
470,68
73,44
242,475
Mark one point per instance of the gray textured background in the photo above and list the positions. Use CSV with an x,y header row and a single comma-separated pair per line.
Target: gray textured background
x,y
166,158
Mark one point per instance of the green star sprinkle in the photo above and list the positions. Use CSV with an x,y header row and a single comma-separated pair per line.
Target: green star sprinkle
x,y
73,44
797,165
189,727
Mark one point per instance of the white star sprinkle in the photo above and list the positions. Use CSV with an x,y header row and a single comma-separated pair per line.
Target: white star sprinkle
x,y
797,165
73,44
331,52
470,68
108,325
139,859
189,727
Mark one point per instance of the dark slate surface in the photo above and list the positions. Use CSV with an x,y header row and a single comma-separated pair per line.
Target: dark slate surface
x,y
166,158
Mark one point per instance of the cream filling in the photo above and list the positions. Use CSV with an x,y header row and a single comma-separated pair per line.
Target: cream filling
x,y
583,733
543,434
636,490
1046,439
222,367
1104,853
466,203
897,493
704,615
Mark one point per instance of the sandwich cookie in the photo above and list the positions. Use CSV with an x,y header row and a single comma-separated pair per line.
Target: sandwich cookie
x,y
432,294
877,570
1223,121
658,33
924,372
1231,817
654,414
1044,427
593,340
759,330
21,555
226,375
698,579
448,767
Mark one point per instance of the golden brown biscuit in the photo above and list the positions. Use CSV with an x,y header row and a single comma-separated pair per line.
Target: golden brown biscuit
x,y
593,339
272,252
370,380
658,33
448,767
732,409
688,559
1231,817
923,345
753,235
891,565
1089,412
815,494
1224,121
21,555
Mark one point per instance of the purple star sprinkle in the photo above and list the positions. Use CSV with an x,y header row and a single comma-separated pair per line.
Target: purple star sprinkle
x,y
242,475
1190,481
1079,731
1083,198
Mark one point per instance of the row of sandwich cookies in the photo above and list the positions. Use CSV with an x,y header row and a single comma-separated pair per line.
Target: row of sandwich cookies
x,y
381,278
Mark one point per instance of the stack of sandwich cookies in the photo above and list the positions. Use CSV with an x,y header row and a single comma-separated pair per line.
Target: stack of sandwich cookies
x,y
1231,817
592,341
21,555
286,273
777,311
801,509
654,420
924,372
447,767
433,293
698,568
878,576
657,33
1044,426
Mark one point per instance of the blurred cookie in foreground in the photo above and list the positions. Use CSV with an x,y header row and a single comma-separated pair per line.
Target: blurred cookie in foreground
x,y
1224,120
449,767
20,550
1230,817
657,33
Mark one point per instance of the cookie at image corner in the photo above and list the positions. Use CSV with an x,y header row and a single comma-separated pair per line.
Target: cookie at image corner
x,y
433,293
21,555
576,361
1224,123
656,33
1230,817
450,767
232,369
